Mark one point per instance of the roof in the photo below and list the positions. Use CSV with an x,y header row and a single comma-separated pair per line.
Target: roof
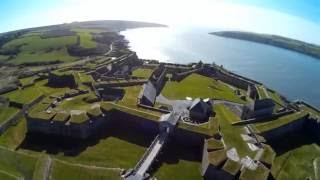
x,y
149,92
199,105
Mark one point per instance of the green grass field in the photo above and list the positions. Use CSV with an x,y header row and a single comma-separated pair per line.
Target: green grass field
x,y
14,135
27,80
3,57
36,49
24,96
231,133
177,162
17,164
74,103
297,163
197,85
142,72
62,170
262,93
46,90
36,43
112,151
42,56
6,113
281,121
276,97
183,169
86,37
130,99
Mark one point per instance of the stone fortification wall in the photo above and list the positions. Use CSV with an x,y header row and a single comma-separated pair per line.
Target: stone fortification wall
x,y
280,131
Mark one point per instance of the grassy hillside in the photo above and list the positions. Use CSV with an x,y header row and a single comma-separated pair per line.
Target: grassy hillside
x,y
61,43
274,40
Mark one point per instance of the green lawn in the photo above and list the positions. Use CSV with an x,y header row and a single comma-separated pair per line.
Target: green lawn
x,y
74,103
313,111
14,135
35,49
112,151
27,80
281,121
197,85
231,133
262,92
86,40
3,57
142,72
183,169
17,164
6,113
147,114
36,43
62,170
46,90
276,97
177,161
130,99
42,56
24,96
85,78
297,163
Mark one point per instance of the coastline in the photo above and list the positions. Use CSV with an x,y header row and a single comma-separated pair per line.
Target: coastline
x,y
273,40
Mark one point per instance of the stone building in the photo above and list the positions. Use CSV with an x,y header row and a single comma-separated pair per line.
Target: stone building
x,y
252,92
200,110
259,108
148,94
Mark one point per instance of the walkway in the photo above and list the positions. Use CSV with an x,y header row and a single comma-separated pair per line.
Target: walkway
x,y
149,156
170,121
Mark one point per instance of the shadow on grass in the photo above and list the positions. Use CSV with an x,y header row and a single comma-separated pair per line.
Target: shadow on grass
x,y
291,141
129,132
175,151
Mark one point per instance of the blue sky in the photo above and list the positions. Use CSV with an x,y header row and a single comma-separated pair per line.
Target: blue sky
x,y
294,18
308,9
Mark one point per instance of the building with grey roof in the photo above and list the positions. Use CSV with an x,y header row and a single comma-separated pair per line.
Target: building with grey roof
x,y
200,110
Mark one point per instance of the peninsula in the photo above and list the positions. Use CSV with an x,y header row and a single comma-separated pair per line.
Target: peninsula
x,y
273,40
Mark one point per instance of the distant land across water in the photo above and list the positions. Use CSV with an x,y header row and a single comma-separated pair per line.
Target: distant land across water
x,y
294,75
274,40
